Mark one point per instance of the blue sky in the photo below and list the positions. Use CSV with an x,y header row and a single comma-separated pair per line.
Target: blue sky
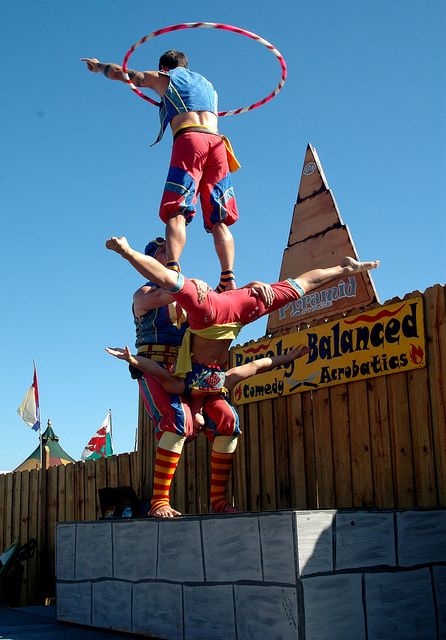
x,y
366,86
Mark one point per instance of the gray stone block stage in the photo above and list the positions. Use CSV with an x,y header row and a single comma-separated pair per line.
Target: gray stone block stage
x,y
288,575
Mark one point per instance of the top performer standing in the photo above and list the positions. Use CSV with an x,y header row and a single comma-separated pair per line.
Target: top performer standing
x,y
199,162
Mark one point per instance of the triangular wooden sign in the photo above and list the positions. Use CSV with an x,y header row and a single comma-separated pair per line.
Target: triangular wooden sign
x,y
318,238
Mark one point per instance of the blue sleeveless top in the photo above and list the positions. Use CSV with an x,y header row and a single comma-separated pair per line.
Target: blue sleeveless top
x,y
157,327
187,91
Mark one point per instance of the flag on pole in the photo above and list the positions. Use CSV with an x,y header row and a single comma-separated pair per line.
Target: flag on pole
x,y
100,445
29,410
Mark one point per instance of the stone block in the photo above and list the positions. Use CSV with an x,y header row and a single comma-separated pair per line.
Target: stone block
x,y
231,548
112,605
93,551
266,612
333,607
158,610
74,602
315,541
65,551
135,545
364,539
180,555
400,605
209,613
440,597
421,537
278,547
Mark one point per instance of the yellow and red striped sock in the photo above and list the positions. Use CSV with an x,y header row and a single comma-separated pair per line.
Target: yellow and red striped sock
x,y
165,465
225,278
221,466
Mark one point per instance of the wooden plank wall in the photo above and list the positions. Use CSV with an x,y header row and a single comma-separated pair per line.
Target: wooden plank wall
x,y
376,443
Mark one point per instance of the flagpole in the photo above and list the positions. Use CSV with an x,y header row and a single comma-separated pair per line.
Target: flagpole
x,y
40,422
111,431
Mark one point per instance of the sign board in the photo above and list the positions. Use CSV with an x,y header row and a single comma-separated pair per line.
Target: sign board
x,y
388,339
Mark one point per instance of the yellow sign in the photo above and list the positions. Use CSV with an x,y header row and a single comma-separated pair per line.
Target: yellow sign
x,y
386,340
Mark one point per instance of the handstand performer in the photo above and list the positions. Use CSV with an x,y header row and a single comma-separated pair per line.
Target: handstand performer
x,y
159,332
199,162
216,321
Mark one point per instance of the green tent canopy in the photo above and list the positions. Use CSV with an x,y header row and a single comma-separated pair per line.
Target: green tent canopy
x,y
54,453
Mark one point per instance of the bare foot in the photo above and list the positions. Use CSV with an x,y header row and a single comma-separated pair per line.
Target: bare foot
x,y
350,264
165,511
120,245
198,420
231,286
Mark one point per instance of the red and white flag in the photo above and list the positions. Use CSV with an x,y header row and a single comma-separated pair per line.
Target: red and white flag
x,y
29,410
100,445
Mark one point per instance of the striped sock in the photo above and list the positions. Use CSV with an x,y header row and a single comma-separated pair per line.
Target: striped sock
x,y
165,465
225,278
221,466
174,265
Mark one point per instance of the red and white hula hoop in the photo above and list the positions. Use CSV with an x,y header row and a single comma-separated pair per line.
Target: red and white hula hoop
x,y
209,25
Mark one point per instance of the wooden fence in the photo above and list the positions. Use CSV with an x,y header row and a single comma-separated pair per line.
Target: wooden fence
x,y
375,443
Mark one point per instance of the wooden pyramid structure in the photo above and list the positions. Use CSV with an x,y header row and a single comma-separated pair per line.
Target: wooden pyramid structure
x,y
318,238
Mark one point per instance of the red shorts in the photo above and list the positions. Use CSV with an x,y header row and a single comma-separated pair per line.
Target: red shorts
x,y
168,410
199,166
221,418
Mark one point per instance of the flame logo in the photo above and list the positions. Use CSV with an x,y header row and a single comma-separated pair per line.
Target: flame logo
x,y
238,392
260,347
369,318
416,354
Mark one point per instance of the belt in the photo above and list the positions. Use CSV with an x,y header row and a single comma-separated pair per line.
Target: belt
x,y
159,352
194,129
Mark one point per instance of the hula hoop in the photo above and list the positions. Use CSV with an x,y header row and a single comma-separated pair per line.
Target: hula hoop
x,y
209,25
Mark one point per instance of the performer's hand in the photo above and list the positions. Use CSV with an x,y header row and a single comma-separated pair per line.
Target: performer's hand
x,y
92,64
263,291
202,289
122,354
297,352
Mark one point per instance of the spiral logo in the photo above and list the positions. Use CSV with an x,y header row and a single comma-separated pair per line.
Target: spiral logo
x,y
309,168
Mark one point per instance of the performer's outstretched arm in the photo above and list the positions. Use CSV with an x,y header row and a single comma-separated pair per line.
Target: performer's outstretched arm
x,y
167,380
151,79
145,265
244,371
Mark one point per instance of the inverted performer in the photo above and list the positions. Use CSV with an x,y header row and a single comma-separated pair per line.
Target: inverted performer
x,y
215,321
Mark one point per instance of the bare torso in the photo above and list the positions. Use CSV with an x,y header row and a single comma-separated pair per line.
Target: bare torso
x,y
198,118
205,351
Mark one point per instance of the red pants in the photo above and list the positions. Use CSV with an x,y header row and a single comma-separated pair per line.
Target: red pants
x,y
171,413
239,305
168,410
